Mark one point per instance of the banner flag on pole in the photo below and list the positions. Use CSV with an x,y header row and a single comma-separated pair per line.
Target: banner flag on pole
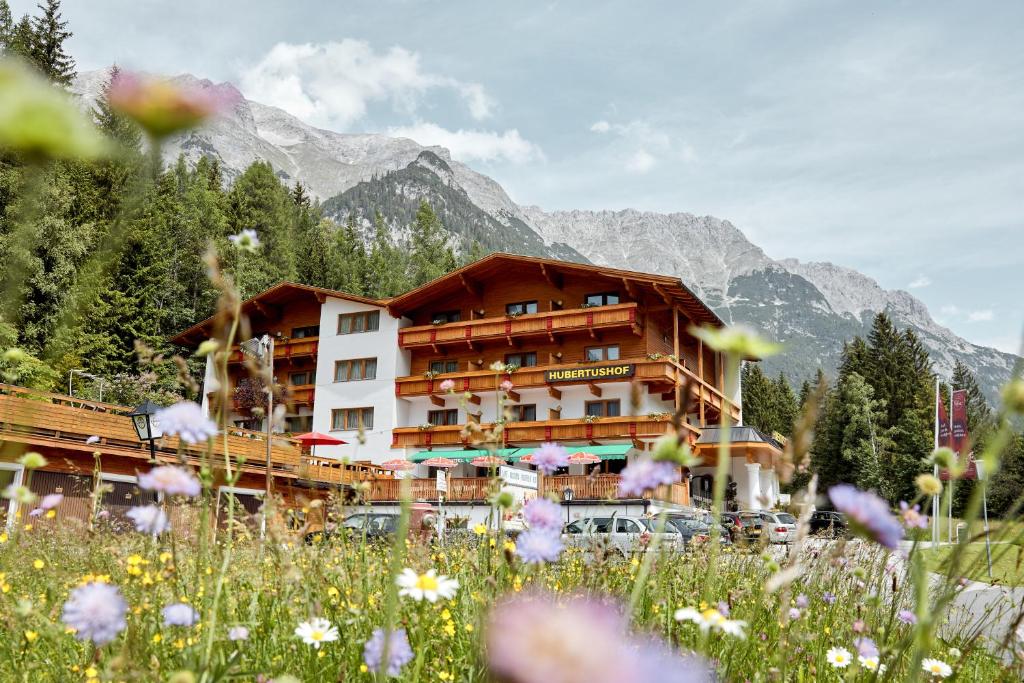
x,y
954,435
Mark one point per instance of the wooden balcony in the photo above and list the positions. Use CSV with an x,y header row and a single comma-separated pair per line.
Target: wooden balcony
x,y
464,489
285,349
598,487
63,423
658,372
548,324
301,394
604,429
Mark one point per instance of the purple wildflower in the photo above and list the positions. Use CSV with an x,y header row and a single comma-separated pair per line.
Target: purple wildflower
x,y
399,652
869,514
51,501
179,614
36,512
96,611
171,481
549,457
149,519
542,513
866,647
541,637
907,617
644,475
794,613
802,602
539,545
186,420
912,516
723,608
238,633
828,598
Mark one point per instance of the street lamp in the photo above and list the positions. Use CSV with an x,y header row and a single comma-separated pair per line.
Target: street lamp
x,y
146,425
567,494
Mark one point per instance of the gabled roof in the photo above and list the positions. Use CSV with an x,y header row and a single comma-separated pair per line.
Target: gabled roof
x,y
279,293
500,264
738,435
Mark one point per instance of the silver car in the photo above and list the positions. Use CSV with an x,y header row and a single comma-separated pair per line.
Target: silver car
x,y
780,527
620,535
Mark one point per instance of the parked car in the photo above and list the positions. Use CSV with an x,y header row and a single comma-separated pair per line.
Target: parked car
x,y
375,525
697,531
830,524
744,527
621,535
781,526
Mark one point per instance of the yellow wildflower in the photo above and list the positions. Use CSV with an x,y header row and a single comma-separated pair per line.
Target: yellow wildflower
x,y
157,637
480,529
38,564
31,636
91,672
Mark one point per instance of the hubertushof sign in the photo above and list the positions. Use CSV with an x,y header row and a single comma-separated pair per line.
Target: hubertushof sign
x,y
590,374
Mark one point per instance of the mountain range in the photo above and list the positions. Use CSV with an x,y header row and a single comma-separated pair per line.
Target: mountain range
x,y
812,307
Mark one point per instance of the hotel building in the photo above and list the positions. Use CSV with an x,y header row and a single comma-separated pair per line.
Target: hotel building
x,y
593,358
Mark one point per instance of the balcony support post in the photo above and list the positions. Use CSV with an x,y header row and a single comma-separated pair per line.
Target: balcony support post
x,y
675,351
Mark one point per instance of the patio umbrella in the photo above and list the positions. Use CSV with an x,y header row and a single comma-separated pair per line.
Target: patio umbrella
x,y
487,461
584,459
443,463
528,459
397,465
314,439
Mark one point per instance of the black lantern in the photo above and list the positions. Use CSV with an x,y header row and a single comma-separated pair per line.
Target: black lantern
x,y
567,494
146,425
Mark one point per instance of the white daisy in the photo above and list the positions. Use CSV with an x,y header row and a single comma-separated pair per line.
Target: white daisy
x,y
711,619
316,631
937,668
838,657
427,586
871,664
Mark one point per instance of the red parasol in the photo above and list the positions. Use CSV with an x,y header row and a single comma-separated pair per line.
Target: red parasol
x,y
487,461
528,459
314,439
443,463
398,465
584,459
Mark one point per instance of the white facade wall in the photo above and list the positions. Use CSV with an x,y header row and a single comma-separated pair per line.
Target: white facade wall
x,y
378,393
753,483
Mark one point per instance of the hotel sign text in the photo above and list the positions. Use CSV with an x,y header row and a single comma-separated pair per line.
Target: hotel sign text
x,y
590,374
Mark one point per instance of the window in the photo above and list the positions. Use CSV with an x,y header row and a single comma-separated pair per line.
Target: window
x,y
602,299
355,369
351,323
296,424
523,360
599,353
442,317
525,413
345,419
441,418
609,408
439,367
297,379
303,332
520,307
626,526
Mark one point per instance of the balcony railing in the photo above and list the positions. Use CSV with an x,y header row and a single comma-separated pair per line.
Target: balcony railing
x,y
654,371
463,489
285,349
599,487
531,324
605,428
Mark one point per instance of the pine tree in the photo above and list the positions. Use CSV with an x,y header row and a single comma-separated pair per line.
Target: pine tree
x,y
20,38
758,399
350,253
299,195
430,256
6,26
785,406
47,52
854,358
318,266
386,266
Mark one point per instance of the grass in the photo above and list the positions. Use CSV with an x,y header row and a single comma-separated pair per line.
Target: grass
x,y
1007,562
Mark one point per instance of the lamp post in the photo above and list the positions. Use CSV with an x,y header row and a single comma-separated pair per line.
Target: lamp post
x,y
567,494
147,426
83,373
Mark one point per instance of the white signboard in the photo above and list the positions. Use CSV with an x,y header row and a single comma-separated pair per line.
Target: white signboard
x,y
442,482
516,477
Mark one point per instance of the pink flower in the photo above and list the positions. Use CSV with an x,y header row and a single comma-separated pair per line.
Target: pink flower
x,y
912,516
171,481
448,386
506,386
51,501
161,107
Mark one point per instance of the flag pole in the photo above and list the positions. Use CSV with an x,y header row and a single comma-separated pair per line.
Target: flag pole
x,y
270,419
956,457
984,506
935,470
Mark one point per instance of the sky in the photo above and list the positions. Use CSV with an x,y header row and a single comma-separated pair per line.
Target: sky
x,y
882,136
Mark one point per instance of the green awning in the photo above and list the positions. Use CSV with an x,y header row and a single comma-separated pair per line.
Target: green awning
x,y
605,452
463,455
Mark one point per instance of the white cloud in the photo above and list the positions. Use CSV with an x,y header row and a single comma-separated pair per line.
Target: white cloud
x,y
332,83
984,315
919,282
601,127
642,161
474,145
